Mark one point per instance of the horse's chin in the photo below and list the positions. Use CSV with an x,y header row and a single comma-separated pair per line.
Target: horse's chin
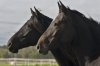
x,y
13,51
43,52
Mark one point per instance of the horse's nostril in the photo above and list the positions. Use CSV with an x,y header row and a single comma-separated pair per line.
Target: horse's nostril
x,y
38,47
9,44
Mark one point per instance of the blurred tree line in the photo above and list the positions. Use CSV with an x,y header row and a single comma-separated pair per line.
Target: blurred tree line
x,y
29,52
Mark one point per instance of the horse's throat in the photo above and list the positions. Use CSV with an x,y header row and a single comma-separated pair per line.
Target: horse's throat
x,y
60,58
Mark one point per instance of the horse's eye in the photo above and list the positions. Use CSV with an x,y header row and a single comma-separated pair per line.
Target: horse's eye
x,y
55,24
30,26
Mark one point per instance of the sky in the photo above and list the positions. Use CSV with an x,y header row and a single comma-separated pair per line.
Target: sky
x,y
14,13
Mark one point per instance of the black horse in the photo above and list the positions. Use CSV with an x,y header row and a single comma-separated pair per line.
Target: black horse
x,y
73,39
30,32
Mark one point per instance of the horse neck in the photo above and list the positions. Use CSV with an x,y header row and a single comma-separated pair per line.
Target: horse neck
x,y
65,57
59,57
62,59
89,38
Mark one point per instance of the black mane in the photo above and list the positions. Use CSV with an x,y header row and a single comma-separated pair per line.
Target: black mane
x,y
90,19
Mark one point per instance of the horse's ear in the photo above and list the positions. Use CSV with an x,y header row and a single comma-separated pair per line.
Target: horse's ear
x,y
62,7
37,12
59,7
33,13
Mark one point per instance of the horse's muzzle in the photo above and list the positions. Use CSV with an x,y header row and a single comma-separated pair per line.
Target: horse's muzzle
x,y
11,48
42,49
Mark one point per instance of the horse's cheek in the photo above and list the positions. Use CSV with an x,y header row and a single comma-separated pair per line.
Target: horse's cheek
x,y
67,36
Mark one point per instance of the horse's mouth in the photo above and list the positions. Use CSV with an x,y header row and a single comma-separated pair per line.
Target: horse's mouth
x,y
44,51
13,50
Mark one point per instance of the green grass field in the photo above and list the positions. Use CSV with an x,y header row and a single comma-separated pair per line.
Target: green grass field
x,y
29,65
5,65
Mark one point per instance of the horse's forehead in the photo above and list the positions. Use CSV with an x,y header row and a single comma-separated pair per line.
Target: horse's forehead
x,y
60,16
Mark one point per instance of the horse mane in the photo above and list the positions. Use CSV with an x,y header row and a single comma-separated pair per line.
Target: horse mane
x,y
90,19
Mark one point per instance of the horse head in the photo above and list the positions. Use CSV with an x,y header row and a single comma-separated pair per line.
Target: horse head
x,y
60,30
30,32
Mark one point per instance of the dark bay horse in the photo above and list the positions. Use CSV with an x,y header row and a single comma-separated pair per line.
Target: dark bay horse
x,y
30,32
73,39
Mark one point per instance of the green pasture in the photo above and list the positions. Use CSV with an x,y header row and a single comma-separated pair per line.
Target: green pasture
x,y
5,65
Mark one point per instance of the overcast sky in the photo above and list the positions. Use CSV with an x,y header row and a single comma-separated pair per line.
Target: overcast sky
x,y
14,13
